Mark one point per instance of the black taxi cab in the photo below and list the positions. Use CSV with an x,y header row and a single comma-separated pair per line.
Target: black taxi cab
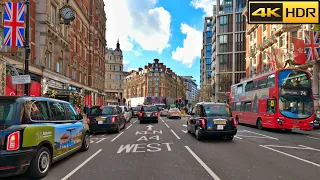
x,y
36,132
148,113
209,119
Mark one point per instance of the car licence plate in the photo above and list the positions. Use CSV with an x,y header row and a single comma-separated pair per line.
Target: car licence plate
x,y
220,127
100,119
148,114
220,122
100,122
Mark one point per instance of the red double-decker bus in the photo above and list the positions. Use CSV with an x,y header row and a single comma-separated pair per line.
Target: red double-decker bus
x,y
281,99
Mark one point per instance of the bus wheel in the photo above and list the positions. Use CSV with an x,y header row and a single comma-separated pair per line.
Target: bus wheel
x,y
259,123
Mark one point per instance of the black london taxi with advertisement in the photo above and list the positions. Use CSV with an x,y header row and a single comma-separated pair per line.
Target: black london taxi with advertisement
x,y
106,119
36,132
148,113
212,119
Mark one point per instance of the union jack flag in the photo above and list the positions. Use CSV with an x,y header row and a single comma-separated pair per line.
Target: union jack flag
x,y
272,61
13,21
312,45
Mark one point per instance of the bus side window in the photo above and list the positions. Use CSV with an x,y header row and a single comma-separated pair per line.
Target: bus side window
x,y
248,107
271,80
271,106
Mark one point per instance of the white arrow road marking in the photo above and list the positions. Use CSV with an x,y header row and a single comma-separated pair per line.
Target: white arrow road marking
x,y
149,127
185,131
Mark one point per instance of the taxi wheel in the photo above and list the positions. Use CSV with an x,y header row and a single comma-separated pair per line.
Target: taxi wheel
x,y
86,142
229,137
118,129
124,126
199,138
40,164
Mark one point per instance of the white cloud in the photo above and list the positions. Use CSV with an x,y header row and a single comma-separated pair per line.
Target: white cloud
x,y
126,64
192,45
205,5
137,53
137,21
130,69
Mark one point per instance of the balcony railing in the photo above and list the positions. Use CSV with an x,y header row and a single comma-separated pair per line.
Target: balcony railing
x,y
267,43
251,28
281,28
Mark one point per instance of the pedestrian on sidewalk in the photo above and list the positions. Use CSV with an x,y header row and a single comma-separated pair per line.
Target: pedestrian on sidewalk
x,y
86,109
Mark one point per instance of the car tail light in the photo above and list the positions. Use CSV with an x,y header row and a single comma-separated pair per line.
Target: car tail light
x,y
203,123
13,141
113,119
156,113
88,120
235,123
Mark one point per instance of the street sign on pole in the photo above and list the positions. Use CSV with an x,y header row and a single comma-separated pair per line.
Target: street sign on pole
x,y
22,79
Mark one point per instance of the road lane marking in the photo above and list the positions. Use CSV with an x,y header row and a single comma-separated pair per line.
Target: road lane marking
x,y
175,134
184,125
212,174
90,135
252,136
237,137
290,155
167,125
100,140
310,148
81,165
185,131
129,126
261,135
287,147
102,135
117,136
134,121
313,137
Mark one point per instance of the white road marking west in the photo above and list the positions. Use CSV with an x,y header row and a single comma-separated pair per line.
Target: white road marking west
x,y
185,131
237,137
81,165
175,134
184,125
117,136
212,174
100,140
261,135
167,125
290,155
129,126
313,138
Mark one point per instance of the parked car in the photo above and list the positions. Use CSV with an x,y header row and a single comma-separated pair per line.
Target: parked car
x,y
36,132
106,119
174,113
134,111
211,120
127,113
148,113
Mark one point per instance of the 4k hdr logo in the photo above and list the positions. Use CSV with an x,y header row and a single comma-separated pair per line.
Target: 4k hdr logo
x,y
283,12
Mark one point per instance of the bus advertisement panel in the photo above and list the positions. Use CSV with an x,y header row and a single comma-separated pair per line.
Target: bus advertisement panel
x,y
282,99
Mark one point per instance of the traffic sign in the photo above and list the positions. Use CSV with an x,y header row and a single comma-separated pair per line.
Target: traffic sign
x,y
21,79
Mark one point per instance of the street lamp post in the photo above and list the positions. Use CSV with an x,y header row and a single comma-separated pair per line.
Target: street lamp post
x,y
26,46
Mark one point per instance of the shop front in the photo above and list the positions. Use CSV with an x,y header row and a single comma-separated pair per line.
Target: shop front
x,y
18,89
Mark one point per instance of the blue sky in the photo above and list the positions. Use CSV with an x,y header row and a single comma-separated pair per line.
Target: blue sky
x,y
170,30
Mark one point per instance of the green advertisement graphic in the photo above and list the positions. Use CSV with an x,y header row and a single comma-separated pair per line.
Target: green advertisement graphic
x,y
34,135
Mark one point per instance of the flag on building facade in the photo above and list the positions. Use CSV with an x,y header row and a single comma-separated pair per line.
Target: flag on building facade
x,y
13,22
299,53
312,45
272,61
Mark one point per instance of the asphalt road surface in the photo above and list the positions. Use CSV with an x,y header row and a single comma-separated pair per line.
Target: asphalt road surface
x,y
166,151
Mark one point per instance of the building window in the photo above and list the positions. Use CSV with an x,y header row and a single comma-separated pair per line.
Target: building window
x,y
80,76
75,42
120,68
53,15
48,60
117,77
85,76
80,49
116,68
294,34
110,77
282,41
59,66
73,73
